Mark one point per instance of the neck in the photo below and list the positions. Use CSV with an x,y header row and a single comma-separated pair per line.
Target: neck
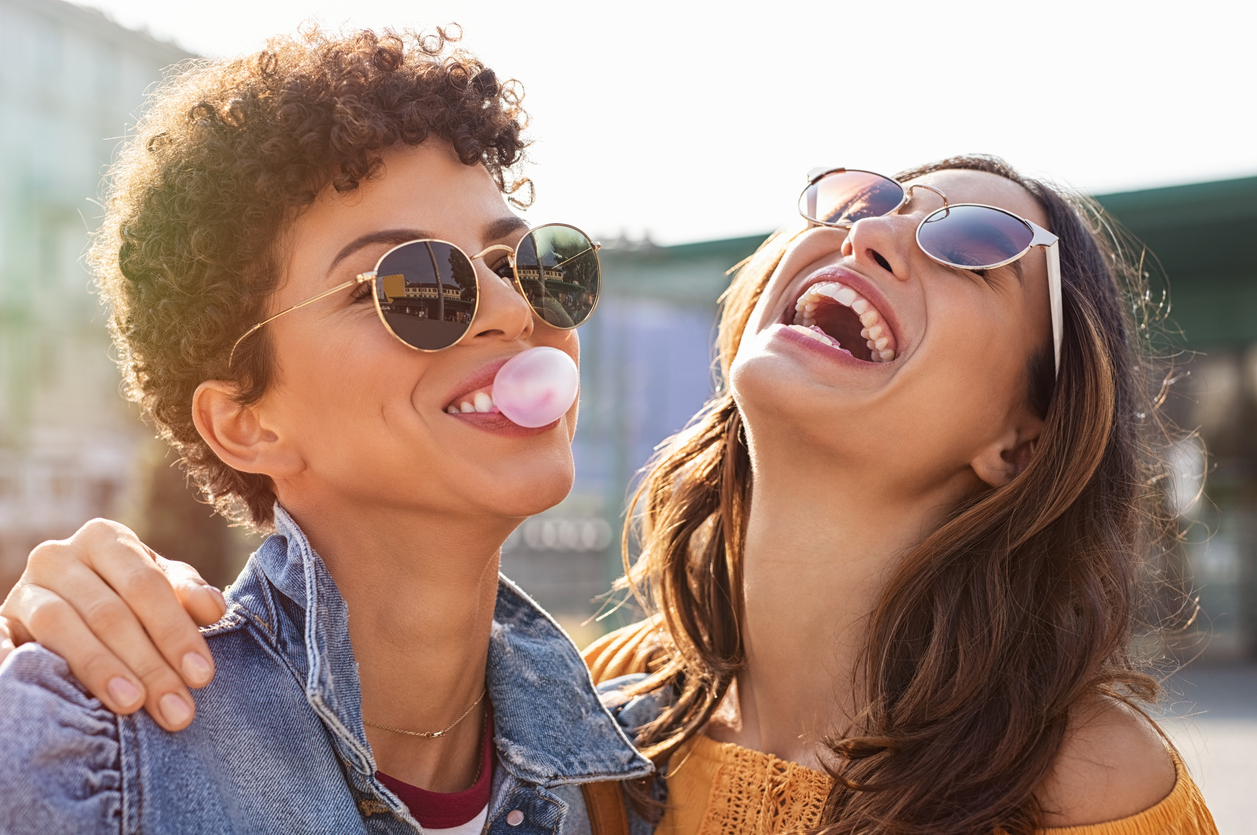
x,y
421,590
820,545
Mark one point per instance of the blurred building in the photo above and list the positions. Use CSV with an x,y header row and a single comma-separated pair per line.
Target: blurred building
x,y
71,84
1197,233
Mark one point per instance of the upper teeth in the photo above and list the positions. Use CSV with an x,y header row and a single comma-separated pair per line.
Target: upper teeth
x,y
479,401
876,333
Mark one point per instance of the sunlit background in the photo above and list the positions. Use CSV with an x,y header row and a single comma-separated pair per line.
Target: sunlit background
x,y
679,134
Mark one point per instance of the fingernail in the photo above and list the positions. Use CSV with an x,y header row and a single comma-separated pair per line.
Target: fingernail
x,y
124,692
175,709
218,595
195,668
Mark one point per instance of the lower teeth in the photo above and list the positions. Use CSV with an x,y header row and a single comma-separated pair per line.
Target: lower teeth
x,y
814,332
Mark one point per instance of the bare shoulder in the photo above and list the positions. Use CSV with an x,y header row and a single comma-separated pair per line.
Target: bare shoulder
x,y
1112,764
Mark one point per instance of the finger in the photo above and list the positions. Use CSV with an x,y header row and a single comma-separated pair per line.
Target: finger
x,y
6,639
60,629
154,607
67,570
11,629
114,625
130,570
204,603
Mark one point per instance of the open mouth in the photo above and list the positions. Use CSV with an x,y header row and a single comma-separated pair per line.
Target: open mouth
x,y
836,315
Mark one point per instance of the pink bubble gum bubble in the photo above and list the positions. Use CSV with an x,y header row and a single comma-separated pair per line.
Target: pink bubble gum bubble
x,y
536,387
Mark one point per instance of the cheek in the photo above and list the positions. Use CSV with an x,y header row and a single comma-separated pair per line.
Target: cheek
x,y
975,374
972,410
761,314
344,366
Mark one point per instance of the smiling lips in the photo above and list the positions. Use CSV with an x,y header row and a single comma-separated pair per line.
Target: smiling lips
x,y
836,315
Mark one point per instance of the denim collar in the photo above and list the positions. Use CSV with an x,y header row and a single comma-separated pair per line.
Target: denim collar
x,y
550,726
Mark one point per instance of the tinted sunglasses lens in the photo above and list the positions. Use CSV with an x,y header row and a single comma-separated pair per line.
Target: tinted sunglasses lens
x,y
973,237
558,271
427,293
847,196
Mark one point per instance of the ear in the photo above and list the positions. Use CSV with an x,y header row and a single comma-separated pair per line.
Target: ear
x,y
238,433
1009,454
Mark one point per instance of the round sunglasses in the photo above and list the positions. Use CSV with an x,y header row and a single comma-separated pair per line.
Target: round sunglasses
x,y
968,236
427,292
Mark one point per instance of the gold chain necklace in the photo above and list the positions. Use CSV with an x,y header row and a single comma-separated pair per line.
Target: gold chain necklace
x,y
433,734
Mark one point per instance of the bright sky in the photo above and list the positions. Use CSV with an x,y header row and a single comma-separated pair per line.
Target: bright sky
x,y
694,121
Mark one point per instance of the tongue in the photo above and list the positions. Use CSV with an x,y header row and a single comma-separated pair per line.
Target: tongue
x,y
829,339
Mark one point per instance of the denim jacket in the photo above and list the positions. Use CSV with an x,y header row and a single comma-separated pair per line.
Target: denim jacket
x,y
278,743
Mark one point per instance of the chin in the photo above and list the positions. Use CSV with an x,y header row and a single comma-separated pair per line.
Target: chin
x,y
786,413
526,491
768,386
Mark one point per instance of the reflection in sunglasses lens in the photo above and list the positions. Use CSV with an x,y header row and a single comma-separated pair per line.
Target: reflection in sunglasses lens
x,y
427,293
974,236
848,196
559,274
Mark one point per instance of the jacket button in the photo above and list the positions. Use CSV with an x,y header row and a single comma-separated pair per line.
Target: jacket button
x,y
514,817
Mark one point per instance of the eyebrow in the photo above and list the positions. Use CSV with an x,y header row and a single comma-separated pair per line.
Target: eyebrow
x,y
384,236
495,231
503,227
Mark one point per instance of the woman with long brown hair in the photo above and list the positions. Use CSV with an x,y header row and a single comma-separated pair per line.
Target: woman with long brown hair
x,y
894,568
895,576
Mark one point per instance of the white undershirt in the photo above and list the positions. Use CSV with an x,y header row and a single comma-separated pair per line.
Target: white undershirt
x,y
472,827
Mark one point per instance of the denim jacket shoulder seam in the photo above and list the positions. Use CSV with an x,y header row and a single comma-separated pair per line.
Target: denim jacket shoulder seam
x,y
231,621
315,662
130,822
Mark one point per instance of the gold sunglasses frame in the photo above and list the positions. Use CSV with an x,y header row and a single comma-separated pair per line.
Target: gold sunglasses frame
x,y
371,275
1039,237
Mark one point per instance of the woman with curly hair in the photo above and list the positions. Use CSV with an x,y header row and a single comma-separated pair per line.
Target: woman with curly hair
x,y
314,278
894,567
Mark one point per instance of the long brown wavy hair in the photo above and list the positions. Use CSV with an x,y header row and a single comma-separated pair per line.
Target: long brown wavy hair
x,y
1021,604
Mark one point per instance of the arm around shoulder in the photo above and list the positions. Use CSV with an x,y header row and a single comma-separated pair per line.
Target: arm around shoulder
x,y
60,752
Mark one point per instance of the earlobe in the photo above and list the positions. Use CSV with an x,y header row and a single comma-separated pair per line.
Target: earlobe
x,y
237,433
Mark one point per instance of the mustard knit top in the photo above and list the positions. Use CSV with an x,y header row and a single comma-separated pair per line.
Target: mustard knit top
x,y
718,788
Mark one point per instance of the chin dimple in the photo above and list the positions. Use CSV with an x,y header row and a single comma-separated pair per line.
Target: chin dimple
x,y
874,330
476,401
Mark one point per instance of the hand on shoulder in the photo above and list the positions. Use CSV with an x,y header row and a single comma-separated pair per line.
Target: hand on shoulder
x,y
1112,764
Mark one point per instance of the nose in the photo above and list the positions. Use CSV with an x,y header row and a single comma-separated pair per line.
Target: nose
x,y
503,312
884,243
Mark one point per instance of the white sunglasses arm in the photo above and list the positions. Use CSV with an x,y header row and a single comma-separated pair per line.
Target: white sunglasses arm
x,y
1051,244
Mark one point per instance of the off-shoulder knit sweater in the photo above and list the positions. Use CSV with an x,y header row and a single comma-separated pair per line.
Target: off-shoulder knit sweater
x,y
717,788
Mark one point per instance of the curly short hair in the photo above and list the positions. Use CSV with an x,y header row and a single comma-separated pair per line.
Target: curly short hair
x,y
227,155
